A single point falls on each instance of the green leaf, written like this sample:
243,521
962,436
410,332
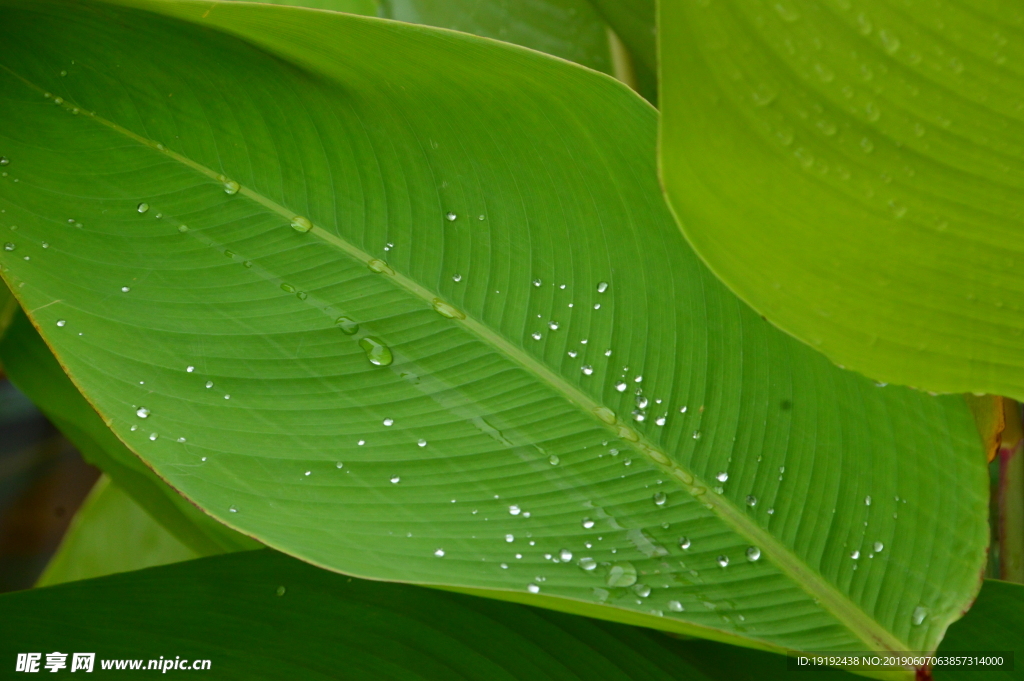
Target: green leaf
110,534
994,623
853,171
633,22
462,441
29,364
263,615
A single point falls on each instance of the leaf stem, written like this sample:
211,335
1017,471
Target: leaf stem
1011,495
622,61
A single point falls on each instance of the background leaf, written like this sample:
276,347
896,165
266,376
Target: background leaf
110,534
209,332
854,172
30,366
261,614
994,622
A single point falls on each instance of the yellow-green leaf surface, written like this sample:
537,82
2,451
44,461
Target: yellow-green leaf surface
407,304
29,364
111,533
854,171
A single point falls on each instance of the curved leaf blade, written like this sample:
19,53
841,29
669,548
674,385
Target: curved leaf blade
517,464
854,173
994,623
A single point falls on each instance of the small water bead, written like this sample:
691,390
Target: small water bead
9,246
421,443
361,443
125,289
722,476
395,479
536,336
641,590
380,267
553,459
621,574
61,322
514,510
309,472
878,546
301,295
659,498
684,542
376,351
675,606
388,422
587,523
4,160
533,588
602,287
553,326
621,386
339,465
510,538
867,501
153,436
439,553
184,228
347,325
587,369
142,207
587,563
231,187
301,224
608,353
232,508
753,554
751,500
181,439
919,615
572,353
450,216
723,561
641,402
133,428
597,306
209,384
855,555
537,282
682,410
448,311
287,288
142,412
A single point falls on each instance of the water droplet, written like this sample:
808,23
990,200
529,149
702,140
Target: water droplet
572,353
855,555
920,613
537,282
153,436
395,479
361,443
533,588
446,310
125,289
388,422
879,546
602,287
348,326
287,288
181,439
675,606
439,553
232,187
4,160
723,561
587,369
421,443
553,326
142,412
301,295
339,465
514,510
510,538
61,322
209,384
696,435
587,563
751,500
587,523
457,278
536,335
232,508
309,472
621,574
684,542
380,267
378,353
641,590
722,476
867,500
659,498
753,553
553,460
184,228
281,591
621,386
142,207
450,216
301,224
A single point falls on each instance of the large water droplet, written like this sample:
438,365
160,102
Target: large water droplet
722,476
378,353
142,412
61,322
621,386
659,498
348,326
9,246
450,216
641,590
587,563
514,509
879,546
446,310
142,207
587,523
753,554
553,459
4,160
380,267
602,287
684,542
855,554
553,326
533,588
723,561
587,369
537,282
232,187
920,613
301,224
565,555
621,574
510,538
388,422
675,606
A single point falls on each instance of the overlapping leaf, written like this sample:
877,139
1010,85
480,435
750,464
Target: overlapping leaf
541,392
854,171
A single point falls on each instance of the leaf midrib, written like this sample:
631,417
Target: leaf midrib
848,613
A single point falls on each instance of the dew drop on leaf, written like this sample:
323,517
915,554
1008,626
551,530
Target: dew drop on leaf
142,412
722,476
533,588
301,224
376,352
684,542
659,498
142,207
675,606
602,287
753,554
641,590
587,523
621,574
348,326
587,563
231,187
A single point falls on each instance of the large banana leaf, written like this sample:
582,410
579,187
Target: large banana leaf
995,622
461,414
262,615
30,366
111,533
854,171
